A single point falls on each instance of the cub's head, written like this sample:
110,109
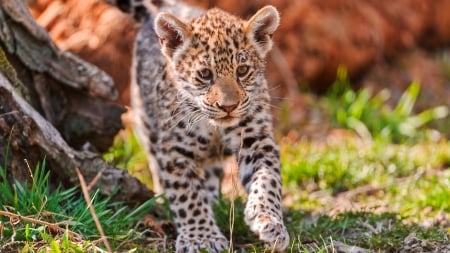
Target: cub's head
218,61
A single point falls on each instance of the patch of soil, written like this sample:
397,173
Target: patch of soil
412,244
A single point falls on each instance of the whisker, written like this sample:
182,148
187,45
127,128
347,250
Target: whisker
172,126
280,98
184,117
176,116
194,120
274,87
272,106
272,98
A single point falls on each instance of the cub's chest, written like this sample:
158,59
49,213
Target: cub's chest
204,141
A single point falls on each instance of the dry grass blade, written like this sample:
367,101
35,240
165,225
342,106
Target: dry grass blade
231,219
51,226
92,210
95,179
342,247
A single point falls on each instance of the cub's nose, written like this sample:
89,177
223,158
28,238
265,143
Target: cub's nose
227,108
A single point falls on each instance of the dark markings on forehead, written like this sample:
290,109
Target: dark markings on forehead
220,26
235,43
219,37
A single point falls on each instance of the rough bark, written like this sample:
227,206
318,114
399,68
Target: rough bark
56,106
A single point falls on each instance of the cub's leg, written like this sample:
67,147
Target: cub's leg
259,172
190,202
213,174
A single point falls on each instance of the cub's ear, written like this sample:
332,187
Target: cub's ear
171,31
261,27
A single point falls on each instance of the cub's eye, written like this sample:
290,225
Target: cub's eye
242,70
205,74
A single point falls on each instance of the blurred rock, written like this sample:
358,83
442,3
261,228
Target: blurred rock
97,32
414,65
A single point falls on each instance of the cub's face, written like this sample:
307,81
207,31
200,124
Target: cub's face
218,61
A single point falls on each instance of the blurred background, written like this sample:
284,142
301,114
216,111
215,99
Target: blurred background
380,45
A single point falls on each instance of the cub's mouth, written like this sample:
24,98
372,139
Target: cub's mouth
226,121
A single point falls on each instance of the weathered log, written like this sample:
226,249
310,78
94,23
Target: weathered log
57,106
72,94
28,135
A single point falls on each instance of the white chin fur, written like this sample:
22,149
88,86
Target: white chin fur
224,123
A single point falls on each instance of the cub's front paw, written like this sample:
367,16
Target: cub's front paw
271,230
187,243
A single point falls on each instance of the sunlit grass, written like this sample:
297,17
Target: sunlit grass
348,191
373,117
126,153
341,191
367,230
390,172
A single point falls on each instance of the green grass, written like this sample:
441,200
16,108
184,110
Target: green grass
351,193
342,165
372,117
356,193
375,232
337,193
371,195
38,217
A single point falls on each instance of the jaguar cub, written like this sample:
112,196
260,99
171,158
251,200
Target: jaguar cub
200,96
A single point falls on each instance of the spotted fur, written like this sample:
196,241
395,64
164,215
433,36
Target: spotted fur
200,96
